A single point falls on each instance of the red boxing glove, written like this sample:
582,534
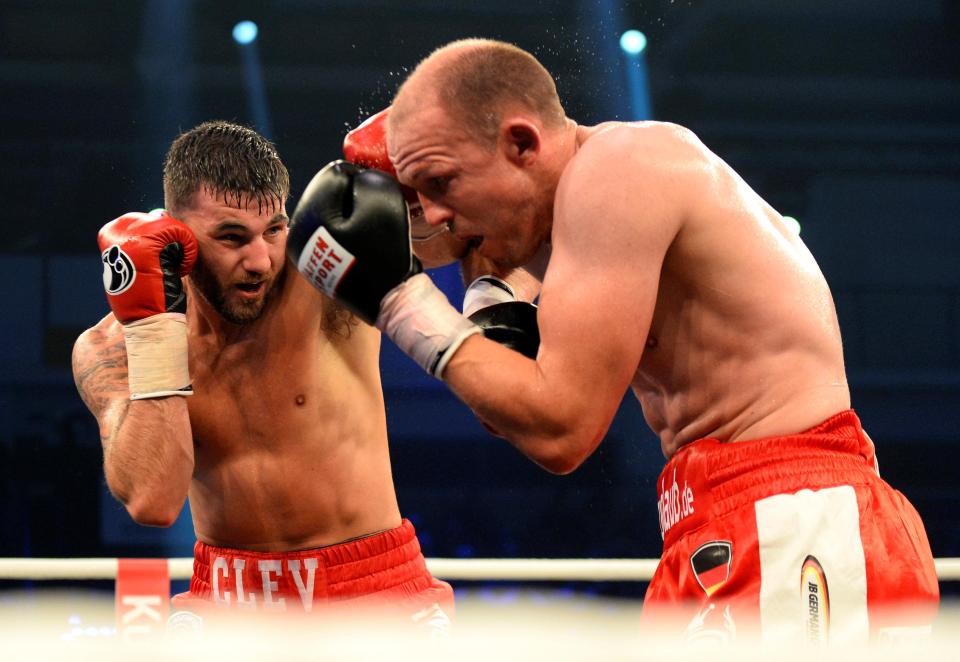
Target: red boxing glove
144,258
367,144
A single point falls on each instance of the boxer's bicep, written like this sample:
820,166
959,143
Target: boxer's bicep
610,236
100,374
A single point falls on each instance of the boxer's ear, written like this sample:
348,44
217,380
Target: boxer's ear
520,140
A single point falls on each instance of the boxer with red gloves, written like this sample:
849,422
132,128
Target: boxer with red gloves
282,446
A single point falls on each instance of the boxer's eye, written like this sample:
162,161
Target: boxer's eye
439,184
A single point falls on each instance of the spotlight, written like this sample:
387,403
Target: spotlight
792,223
633,42
245,32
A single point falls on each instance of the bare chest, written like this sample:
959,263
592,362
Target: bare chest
263,394
237,388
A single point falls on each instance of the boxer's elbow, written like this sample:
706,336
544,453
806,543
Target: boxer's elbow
564,453
562,463
559,465
152,489
147,512
557,433
147,507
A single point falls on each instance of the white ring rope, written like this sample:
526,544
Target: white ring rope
640,570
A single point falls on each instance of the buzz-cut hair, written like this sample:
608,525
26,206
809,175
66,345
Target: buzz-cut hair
479,79
229,161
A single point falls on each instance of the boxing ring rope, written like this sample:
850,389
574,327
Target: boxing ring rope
640,570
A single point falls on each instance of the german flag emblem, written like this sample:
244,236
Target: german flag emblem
711,564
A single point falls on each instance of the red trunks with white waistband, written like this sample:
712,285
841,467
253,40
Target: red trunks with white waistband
382,570
790,538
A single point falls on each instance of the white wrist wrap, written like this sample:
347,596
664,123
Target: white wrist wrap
418,318
157,356
484,292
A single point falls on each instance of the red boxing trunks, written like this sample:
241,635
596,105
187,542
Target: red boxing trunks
384,571
789,539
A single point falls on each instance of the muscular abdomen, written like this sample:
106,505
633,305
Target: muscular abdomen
291,444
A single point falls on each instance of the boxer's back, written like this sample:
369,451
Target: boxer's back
744,341
289,429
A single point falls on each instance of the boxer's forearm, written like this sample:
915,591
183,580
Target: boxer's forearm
148,459
511,394
147,444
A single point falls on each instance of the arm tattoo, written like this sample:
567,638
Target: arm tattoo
100,374
118,414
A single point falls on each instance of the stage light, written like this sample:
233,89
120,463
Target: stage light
792,223
245,32
633,42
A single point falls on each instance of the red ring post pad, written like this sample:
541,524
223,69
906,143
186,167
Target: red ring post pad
143,598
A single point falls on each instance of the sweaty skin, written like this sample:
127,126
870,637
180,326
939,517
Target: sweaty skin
283,444
668,275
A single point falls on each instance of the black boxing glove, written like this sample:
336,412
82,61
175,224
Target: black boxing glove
366,146
491,304
350,238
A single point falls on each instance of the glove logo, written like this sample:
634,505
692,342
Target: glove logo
118,270
324,261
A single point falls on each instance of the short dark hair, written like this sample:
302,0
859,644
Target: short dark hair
227,159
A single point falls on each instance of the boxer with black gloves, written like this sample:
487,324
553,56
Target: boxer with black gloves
282,446
668,275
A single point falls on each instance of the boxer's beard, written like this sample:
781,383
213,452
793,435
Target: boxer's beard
236,312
